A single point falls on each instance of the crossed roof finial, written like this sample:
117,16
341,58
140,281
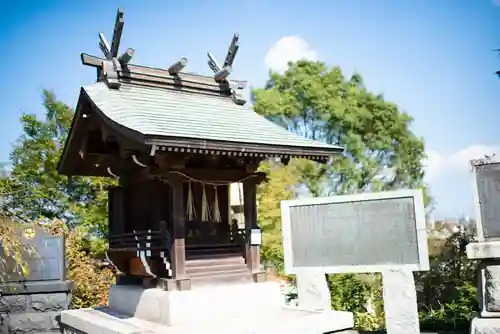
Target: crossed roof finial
112,52
221,73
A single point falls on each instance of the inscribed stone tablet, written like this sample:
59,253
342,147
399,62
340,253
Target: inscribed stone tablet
370,232
488,186
44,256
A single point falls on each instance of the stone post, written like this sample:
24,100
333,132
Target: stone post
486,247
488,289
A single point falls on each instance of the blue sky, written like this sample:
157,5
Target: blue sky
433,58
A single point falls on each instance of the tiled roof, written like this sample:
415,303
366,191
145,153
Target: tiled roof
160,112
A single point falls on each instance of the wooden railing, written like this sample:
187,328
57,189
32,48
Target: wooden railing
161,241
154,241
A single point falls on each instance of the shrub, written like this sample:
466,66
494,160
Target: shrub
12,251
92,282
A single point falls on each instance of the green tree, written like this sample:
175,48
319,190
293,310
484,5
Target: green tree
37,190
317,102
320,103
280,186
447,298
381,153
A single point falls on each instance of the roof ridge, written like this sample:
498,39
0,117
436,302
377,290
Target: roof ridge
113,74
178,90
94,61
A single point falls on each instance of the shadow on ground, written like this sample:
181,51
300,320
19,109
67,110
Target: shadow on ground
425,332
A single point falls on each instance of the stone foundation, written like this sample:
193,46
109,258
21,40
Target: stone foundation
252,308
33,307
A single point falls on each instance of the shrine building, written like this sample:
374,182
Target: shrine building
175,141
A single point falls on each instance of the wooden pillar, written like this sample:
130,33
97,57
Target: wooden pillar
116,212
250,211
178,216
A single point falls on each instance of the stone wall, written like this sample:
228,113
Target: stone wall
35,308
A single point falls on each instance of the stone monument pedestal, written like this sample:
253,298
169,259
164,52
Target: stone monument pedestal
29,307
488,252
237,308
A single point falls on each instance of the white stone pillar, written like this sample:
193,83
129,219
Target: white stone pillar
312,291
400,302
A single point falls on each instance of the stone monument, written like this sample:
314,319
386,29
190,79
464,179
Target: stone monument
33,303
313,292
486,247
372,232
175,141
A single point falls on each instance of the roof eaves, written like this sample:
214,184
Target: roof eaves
69,139
207,146
121,129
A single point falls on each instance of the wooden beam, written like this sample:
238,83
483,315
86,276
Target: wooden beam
250,211
104,132
104,46
178,251
231,52
178,66
212,175
83,147
243,149
117,33
89,60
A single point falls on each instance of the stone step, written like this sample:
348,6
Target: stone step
219,274
221,278
215,267
215,262
204,255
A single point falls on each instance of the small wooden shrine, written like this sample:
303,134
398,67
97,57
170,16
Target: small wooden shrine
175,141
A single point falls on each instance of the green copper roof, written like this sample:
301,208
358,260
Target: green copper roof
159,112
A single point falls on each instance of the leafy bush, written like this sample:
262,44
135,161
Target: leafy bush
92,282
448,300
12,251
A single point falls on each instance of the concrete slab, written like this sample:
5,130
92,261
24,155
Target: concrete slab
483,250
290,321
485,326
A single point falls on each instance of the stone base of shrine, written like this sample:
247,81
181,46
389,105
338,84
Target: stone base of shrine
238,308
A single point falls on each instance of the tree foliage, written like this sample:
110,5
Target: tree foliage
319,103
381,152
447,299
37,189
280,186
12,252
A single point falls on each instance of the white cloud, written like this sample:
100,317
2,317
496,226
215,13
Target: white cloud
288,48
449,178
438,164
